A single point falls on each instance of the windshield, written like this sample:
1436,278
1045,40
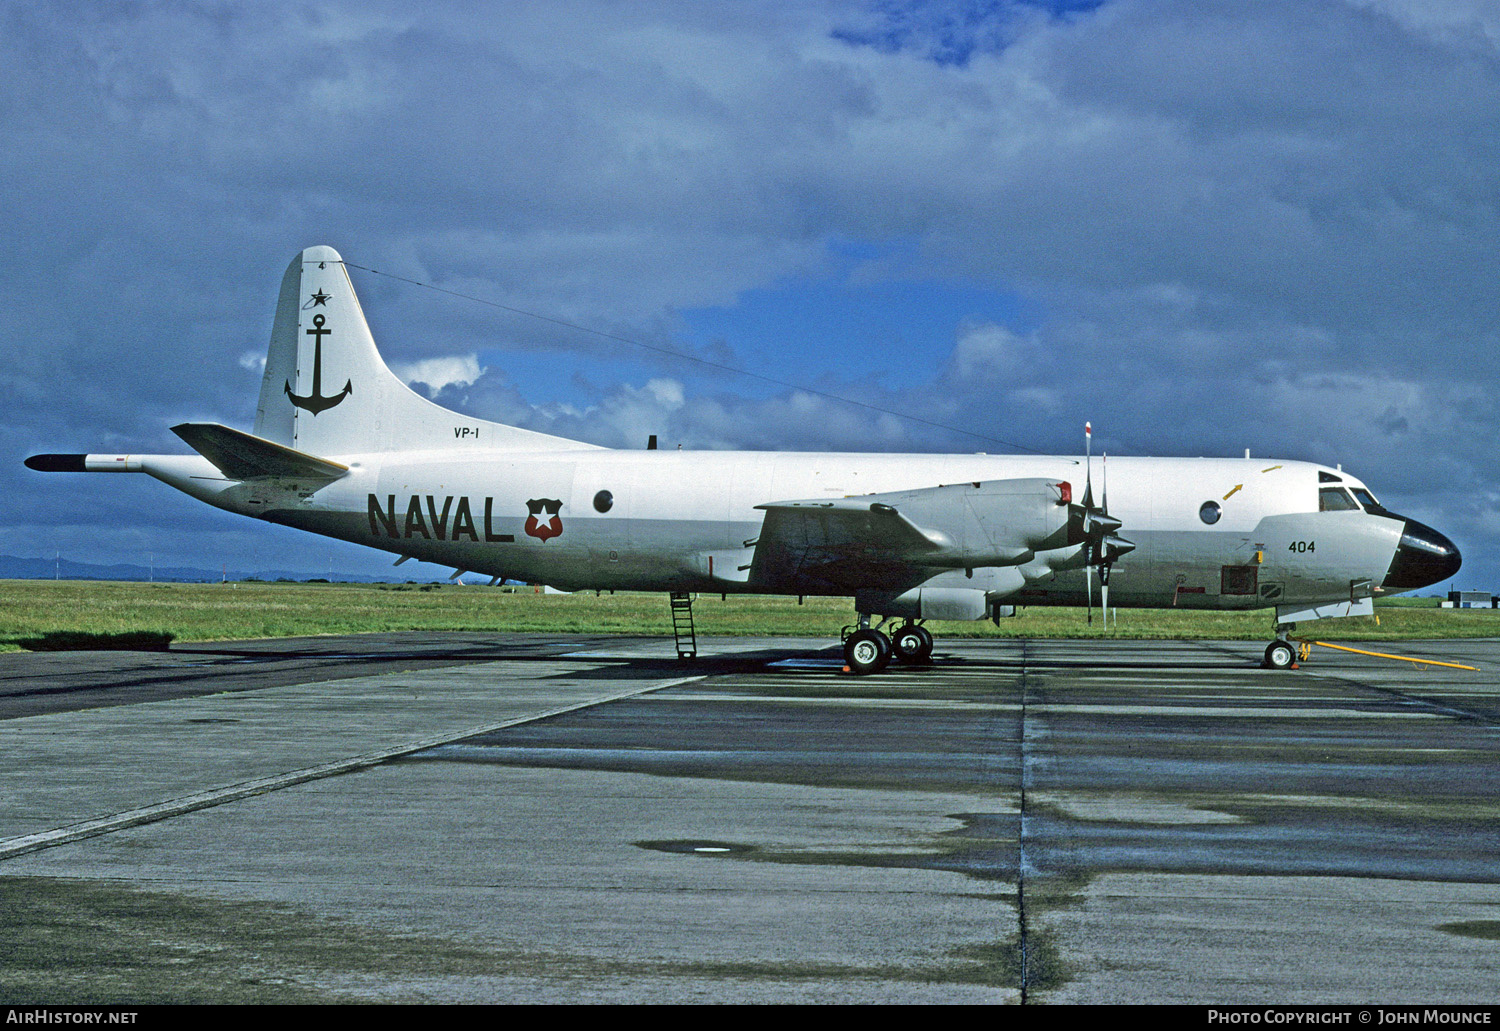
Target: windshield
1368,500
1335,499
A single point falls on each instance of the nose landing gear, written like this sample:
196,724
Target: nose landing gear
1284,653
1281,655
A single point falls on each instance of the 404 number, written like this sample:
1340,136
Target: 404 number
1302,547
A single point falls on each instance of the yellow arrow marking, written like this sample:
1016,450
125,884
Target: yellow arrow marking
1231,494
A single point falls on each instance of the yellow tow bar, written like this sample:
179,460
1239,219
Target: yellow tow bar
1383,655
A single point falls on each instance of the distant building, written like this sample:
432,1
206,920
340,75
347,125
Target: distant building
1472,600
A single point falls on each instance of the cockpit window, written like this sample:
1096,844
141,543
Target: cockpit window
1335,499
1367,499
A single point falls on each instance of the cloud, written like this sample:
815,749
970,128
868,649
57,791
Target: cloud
1203,225
439,373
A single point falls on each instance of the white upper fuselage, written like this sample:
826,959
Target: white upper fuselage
687,520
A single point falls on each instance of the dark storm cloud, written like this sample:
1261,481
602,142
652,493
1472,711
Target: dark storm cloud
1270,226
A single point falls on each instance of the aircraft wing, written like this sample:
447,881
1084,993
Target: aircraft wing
902,539
838,543
244,456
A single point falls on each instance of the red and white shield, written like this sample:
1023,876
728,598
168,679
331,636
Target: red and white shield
543,522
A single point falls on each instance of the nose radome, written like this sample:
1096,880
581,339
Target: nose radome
1424,557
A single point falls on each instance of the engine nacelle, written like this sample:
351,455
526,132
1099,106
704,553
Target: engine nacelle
991,523
926,603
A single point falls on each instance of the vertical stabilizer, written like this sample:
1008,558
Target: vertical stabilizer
326,390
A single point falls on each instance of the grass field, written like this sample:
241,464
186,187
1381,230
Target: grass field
50,614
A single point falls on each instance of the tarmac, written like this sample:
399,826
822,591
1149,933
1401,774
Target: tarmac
467,818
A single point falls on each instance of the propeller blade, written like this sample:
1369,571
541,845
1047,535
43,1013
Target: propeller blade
1088,474
1091,537
1088,572
1092,526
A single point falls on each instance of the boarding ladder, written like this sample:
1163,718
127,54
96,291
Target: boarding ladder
682,625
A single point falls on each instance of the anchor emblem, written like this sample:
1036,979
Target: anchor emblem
316,402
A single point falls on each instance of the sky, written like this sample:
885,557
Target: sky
1202,226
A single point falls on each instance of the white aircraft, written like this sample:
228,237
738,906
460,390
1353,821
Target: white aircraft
344,448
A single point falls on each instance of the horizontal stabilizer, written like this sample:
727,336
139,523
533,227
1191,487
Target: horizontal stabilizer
243,456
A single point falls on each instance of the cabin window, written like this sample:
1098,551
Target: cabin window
1209,512
1335,499
604,501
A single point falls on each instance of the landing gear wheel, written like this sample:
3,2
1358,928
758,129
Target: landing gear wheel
912,644
867,651
1281,655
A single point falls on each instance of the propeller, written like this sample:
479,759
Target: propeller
1094,528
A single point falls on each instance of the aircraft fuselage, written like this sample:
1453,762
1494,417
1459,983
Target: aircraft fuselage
687,521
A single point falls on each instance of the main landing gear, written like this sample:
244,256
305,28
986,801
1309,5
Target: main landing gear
868,650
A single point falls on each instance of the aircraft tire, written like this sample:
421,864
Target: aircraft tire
1281,655
926,652
867,651
912,644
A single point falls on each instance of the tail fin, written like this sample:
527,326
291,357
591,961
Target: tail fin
327,392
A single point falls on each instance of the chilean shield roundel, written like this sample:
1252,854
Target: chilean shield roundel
543,522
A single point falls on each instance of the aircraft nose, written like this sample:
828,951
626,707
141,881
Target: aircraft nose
1423,557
